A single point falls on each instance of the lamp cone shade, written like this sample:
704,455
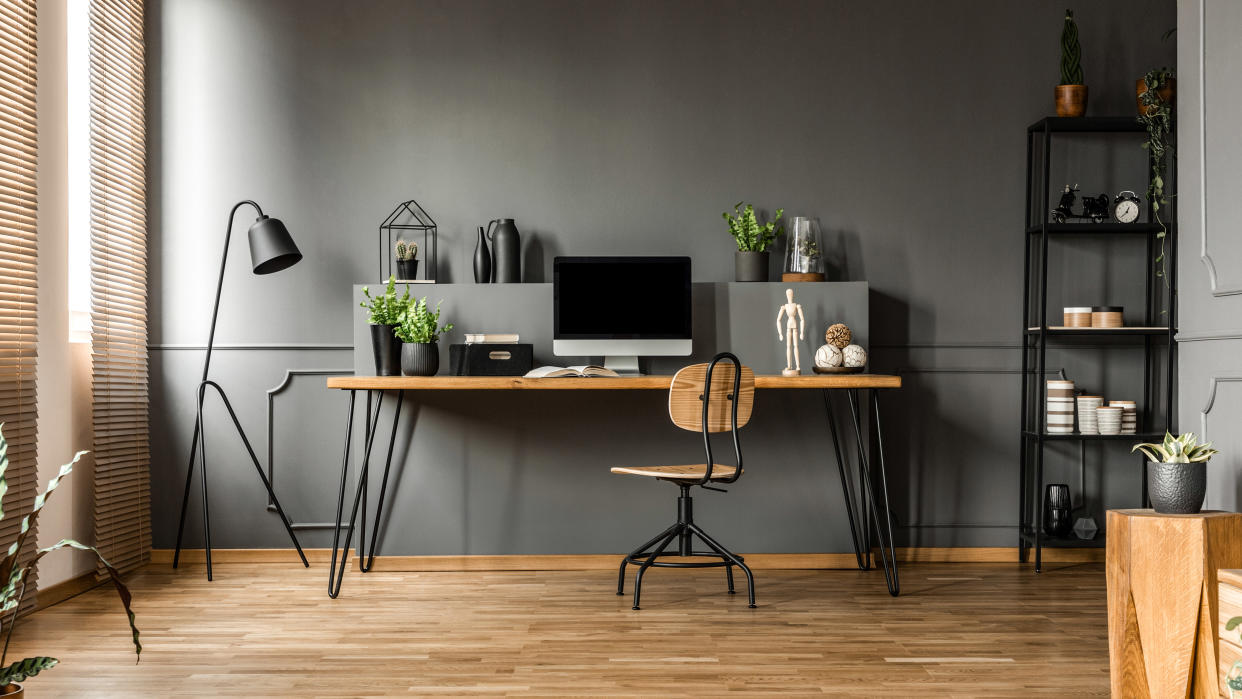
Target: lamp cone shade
271,247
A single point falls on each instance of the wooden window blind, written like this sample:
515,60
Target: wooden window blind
118,223
18,265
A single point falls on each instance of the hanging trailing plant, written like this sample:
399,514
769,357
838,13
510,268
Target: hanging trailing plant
1156,114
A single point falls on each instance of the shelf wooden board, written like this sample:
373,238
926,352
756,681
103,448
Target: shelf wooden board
440,383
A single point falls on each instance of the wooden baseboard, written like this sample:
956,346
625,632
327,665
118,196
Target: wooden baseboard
61,591
519,562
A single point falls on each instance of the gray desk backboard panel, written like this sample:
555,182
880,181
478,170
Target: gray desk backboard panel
501,472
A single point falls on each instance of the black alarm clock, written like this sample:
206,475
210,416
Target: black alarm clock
1126,207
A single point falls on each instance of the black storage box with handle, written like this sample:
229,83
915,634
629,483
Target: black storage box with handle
491,360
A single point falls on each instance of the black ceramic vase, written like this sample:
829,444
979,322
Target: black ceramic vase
482,260
1177,489
387,349
407,269
506,251
1057,519
420,358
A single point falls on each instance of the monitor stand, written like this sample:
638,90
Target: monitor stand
625,365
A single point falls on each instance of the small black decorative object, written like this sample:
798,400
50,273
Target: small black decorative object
1057,519
506,250
482,260
486,359
408,216
1126,207
1093,208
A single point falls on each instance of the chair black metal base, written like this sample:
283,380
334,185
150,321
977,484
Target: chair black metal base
684,530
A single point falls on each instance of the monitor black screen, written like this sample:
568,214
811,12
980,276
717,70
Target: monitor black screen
618,298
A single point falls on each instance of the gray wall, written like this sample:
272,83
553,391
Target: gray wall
1210,259
625,128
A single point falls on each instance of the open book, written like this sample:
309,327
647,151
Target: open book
579,371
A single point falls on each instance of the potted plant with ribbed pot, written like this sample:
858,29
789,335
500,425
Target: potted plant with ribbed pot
1071,93
750,262
14,574
384,315
419,333
1177,474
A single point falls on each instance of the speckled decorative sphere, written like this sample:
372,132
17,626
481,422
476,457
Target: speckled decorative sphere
828,356
838,335
854,356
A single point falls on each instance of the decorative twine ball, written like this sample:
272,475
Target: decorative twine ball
828,356
838,335
855,356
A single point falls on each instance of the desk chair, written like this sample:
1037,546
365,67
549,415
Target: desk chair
703,398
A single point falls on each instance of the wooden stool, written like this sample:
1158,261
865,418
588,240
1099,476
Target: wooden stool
1162,604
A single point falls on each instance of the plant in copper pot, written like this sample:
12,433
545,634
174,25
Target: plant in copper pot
15,572
1177,474
1071,93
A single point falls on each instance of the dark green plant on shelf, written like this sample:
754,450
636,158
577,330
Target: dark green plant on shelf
386,308
1071,52
15,572
421,325
745,229
1156,115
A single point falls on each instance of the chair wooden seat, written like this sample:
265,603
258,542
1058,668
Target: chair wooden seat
684,472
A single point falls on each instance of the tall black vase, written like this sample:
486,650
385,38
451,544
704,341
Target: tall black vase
482,260
387,349
1057,507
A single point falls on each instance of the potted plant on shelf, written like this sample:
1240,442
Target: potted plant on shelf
384,314
1071,93
1177,474
407,260
419,332
1155,101
14,575
750,262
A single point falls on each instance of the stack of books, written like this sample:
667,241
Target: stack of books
491,338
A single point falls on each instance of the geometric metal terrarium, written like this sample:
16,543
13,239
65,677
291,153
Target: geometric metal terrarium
408,216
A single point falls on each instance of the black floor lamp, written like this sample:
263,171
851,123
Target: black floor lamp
271,250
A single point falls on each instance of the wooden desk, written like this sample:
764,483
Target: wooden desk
860,507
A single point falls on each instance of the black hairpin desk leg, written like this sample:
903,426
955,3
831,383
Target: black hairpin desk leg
867,504
336,572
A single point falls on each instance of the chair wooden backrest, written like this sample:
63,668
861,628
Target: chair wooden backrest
685,397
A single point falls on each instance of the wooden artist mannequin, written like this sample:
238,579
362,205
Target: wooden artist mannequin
793,365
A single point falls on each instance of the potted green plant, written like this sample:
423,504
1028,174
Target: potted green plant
750,262
384,314
1071,93
1177,474
14,574
407,259
419,332
1155,101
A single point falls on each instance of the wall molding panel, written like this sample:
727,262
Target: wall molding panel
1218,287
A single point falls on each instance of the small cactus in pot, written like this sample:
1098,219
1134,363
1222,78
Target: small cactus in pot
406,254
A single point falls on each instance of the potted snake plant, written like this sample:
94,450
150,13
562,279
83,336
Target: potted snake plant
419,332
384,314
14,574
750,262
1071,94
1177,474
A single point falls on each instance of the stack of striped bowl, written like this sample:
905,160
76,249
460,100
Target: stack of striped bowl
1060,407
1129,415
1108,419
1086,414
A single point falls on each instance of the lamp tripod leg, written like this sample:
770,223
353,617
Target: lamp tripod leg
202,478
185,497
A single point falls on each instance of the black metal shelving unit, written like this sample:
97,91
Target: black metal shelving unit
1038,335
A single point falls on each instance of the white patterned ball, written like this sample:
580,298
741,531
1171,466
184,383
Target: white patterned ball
828,356
855,356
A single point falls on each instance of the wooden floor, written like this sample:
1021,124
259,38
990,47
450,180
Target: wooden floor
958,630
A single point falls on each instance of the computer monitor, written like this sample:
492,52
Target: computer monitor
621,308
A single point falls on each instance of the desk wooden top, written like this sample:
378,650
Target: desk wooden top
441,383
